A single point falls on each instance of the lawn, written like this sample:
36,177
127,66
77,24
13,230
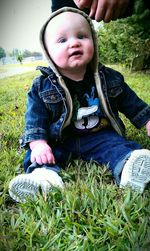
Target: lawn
7,67
91,213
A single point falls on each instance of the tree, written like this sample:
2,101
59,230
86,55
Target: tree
15,52
19,58
122,40
27,53
36,54
2,53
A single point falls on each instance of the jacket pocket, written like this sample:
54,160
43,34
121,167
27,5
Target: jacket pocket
51,97
54,102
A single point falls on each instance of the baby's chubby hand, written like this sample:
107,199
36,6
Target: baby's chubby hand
41,153
148,128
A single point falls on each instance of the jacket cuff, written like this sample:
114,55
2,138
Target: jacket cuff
142,118
31,135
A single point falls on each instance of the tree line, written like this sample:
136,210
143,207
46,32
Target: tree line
18,54
127,41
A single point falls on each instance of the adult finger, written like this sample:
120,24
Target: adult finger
93,8
100,10
82,4
115,9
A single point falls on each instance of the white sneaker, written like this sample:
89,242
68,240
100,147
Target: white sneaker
27,185
136,171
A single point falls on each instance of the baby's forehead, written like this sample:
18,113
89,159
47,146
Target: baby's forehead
63,18
68,14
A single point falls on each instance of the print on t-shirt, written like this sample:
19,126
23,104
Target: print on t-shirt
87,117
88,114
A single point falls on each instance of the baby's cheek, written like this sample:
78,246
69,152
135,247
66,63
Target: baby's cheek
60,60
91,52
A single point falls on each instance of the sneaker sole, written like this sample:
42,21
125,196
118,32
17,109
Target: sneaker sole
138,167
22,188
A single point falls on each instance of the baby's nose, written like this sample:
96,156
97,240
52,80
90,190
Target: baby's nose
74,42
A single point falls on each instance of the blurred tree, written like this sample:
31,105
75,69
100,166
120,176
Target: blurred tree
122,40
19,58
15,52
36,54
27,53
2,53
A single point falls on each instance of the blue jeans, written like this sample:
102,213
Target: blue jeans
105,147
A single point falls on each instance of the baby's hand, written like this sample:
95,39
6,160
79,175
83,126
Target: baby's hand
41,153
148,128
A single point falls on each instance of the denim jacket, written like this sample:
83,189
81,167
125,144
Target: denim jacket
49,108
49,103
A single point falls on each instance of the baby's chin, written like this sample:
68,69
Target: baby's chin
77,63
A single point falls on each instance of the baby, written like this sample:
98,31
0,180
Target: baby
73,112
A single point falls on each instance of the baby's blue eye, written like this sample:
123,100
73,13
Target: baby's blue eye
62,40
81,36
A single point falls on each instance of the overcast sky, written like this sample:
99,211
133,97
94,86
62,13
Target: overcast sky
20,23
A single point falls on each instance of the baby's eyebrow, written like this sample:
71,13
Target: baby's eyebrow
58,36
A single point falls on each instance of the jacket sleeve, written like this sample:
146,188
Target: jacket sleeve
133,107
121,98
37,118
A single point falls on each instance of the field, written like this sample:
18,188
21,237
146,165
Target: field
91,213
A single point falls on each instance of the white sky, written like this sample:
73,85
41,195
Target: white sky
20,23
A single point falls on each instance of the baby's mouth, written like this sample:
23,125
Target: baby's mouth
76,53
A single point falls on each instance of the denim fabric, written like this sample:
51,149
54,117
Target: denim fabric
119,167
32,166
48,106
104,147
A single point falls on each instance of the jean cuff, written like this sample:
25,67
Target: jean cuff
34,165
119,167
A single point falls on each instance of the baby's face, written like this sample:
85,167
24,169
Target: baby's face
69,41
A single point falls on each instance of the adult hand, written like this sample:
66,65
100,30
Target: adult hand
41,152
82,4
148,128
105,10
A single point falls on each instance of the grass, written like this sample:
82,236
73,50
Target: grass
91,214
6,67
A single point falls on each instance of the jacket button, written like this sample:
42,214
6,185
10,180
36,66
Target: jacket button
53,97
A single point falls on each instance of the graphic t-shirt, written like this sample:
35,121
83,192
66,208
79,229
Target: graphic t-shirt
88,114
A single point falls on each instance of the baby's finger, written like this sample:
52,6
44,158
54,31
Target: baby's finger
32,158
38,160
50,158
